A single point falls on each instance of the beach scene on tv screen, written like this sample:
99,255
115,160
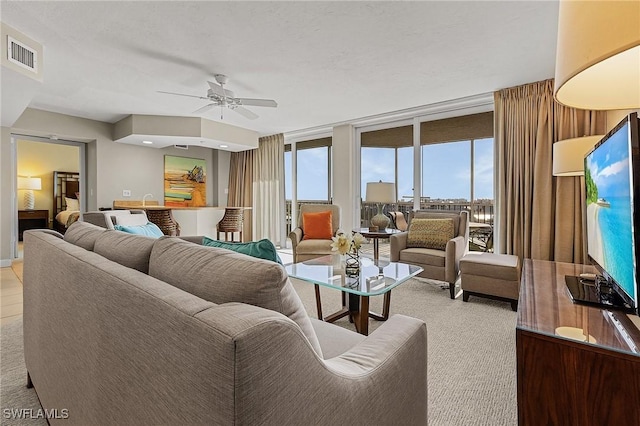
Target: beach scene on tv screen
609,209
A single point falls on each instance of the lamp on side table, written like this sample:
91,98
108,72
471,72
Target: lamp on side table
380,193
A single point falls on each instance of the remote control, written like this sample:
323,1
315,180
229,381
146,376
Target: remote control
588,277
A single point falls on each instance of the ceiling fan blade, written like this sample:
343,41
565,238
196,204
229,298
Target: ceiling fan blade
204,108
217,89
258,102
245,112
182,94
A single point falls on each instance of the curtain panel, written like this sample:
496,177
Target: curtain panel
241,187
539,216
268,178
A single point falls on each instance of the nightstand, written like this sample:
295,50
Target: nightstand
32,219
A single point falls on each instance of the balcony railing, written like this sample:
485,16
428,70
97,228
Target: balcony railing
480,212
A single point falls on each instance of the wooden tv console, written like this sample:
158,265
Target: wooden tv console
561,379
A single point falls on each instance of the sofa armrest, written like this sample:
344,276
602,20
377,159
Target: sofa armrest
381,347
276,366
296,237
398,243
455,249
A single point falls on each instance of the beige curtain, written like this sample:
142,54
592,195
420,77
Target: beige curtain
241,187
539,216
570,244
268,175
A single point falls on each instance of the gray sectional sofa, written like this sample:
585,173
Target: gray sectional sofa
123,329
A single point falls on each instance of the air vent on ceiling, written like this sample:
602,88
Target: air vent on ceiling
22,55
182,146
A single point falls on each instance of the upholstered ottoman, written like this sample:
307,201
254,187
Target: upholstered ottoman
491,275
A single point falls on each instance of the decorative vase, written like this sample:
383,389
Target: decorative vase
380,220
352,263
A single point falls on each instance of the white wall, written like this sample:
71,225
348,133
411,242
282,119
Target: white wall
615,116
110,166
344,179
6,193
224,162
141,170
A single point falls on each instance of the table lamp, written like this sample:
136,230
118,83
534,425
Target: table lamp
380,193
598,55
568,155
29,184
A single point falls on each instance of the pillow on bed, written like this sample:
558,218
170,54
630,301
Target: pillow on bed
72,204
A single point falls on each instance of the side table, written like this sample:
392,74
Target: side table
376,236
32,219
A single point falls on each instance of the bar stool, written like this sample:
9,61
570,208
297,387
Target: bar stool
232,221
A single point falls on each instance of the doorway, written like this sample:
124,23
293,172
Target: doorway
42,199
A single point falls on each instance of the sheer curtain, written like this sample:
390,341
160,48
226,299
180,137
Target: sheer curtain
539,216
268,177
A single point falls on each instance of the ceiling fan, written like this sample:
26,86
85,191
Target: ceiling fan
225,98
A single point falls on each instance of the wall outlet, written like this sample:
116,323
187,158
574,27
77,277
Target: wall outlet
126,193
226,190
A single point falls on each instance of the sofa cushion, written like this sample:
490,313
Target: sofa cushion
263,249
430,233
129,250
314,247
493,265
423,256
317,225
222,276
131,219
83,234
149,229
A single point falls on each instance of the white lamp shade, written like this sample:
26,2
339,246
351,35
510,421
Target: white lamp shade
381,192
29,183
598,55
568,155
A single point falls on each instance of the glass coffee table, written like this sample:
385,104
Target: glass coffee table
376,277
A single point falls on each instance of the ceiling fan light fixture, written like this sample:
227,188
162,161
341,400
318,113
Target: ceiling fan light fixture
218,95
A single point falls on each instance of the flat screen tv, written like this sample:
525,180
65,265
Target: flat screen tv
612,188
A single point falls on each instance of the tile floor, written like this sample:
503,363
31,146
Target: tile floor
10,296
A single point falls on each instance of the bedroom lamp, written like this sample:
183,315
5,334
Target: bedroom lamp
598,55
380,193
29,184
568,155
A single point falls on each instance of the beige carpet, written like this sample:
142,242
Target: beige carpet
471,350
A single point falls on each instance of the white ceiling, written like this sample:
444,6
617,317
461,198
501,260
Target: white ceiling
323,62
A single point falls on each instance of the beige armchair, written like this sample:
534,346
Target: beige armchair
310,249
442,265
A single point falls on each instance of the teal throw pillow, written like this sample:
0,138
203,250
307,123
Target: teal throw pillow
263,249
149,230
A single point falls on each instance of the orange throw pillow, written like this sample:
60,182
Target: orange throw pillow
317,226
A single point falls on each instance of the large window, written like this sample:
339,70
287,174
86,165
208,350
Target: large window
387,155
313,174
456,165
448,180
446,172
377,164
